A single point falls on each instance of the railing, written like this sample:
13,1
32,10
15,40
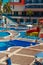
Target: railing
24,15
34,9
34,4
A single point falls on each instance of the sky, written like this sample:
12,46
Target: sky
4,1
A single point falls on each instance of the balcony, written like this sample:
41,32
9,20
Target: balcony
24,14
33,1
34,9
34,6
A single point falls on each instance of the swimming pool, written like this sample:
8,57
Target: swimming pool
4,34
16,29
6,45
2,28
3,46
23,35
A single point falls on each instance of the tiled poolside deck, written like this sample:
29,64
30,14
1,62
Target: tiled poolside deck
21,55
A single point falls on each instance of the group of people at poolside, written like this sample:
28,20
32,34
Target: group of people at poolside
37,62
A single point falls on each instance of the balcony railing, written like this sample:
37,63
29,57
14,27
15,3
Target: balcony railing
35,14
34,4
34,9
13,17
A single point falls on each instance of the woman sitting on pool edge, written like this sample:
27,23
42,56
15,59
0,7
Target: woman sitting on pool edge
8,61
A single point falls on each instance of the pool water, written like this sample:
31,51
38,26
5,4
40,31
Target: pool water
23,35
2,28
3,46
6,45
16,29
3,34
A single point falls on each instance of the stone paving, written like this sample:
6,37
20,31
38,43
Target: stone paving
21,55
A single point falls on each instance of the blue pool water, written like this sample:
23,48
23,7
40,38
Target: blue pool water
3,34
16,29
23,35
5,45
1,28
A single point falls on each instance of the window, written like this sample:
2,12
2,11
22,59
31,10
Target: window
28,1
23,13
21,20
41,6
34,21
41,14
41,1
36,1
29,21
13,6
16,0
16,13
33,1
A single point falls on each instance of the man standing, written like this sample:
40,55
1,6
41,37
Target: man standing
8,61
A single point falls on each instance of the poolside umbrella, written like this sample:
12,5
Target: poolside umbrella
39,55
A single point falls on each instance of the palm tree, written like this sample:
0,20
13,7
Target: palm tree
0,3
30,13
0,6
6,10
